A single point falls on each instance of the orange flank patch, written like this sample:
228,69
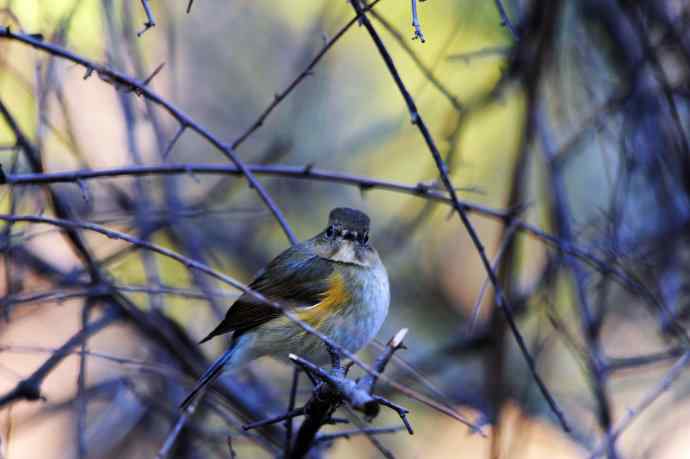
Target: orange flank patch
333,299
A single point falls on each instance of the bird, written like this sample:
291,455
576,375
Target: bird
335,282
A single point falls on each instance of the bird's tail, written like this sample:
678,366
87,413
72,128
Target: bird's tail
210,375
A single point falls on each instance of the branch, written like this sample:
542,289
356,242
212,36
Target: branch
150,21
364,183
505,20
632,413
501,301
355,432
334,389
416,24
30,388
193,264
120,80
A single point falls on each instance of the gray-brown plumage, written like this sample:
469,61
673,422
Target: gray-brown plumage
335,282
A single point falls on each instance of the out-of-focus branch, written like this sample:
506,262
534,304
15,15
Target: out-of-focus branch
421,190
193,264
150,21
590,323
124,82
30,388
615,432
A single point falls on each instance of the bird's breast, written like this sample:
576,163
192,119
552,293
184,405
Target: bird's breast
358,320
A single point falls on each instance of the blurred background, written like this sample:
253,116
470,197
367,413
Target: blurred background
564,125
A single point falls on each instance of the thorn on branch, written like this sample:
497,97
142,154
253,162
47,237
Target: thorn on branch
153,74
83,187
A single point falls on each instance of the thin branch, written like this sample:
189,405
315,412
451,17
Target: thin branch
385,452
590,326
193,264
280,96
423,68
30,388
505,20
121,80
335,388
673,374
420,190
174,140
150,21
293,413
368,381
416,24
501,301
170,440
291,406
355,432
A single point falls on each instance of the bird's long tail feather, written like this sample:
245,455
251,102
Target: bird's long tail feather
209,375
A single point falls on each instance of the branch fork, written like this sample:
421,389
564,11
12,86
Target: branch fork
333,389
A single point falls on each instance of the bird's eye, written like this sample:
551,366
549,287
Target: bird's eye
329,231
365,238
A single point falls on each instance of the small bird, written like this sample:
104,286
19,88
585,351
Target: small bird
334,282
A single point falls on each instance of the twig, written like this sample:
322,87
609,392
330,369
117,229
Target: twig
385,452
264,422
443,170
367,183
416,24
423,68
291,406
124,81
60,207
30,388
150,21
174,140
193,264
632,413
590,325
335,388
345,388
354,432
280,96
402,412
82,401
505,20
170,440
231,450
368,381
505,244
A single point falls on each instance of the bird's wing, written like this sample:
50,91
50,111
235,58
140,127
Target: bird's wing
296,278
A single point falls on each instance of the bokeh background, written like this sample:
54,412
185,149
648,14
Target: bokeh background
575,126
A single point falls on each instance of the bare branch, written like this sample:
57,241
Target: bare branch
443,170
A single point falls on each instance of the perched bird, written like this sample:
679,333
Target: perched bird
334,282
